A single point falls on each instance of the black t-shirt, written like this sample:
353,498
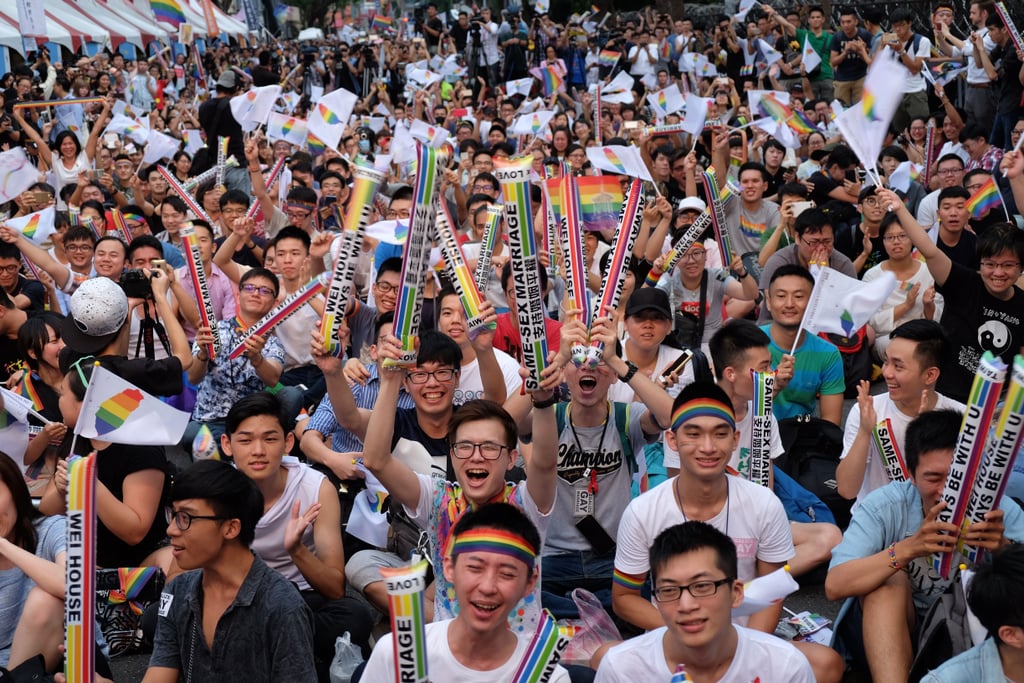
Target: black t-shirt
823,184
976,322
853,67
34,290
459,34
262,76
161,377
965,252
434,25
850,242
245,255
114,464
1011,88
217,110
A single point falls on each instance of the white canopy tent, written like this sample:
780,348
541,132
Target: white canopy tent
55,32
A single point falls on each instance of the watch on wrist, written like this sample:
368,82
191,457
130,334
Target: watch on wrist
545,403
631,370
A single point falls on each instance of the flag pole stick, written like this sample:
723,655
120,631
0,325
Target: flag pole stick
1016,148
796,341
1006,212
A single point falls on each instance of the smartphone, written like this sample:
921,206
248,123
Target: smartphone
890,38
158,263
676,366
40,197
800,207
94,175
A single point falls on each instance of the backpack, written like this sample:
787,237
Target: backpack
944,632
812,447
856,357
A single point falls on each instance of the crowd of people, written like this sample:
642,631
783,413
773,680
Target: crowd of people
319,473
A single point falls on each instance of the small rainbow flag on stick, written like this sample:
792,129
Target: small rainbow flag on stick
168,11
117,411
984,199
549,77
608,57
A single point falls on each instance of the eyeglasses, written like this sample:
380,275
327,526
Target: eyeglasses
698,589
421,376
236,211
489,450
901,237
870,201
482,188
404,213
989,264
183,520
78,247
1016,131
13,268
252,289
950,171
695,255
299,215
385,287
814,244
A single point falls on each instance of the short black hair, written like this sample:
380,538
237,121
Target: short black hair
996,595
502,517
930,340
143,241
403,192
894,151
439,348
813,221
293,233
175,202
754,166
506,275
791,269
382,320
390,265
793,190
1000,237
954,192
254,405
900,14
230,493
842,156
689,537
950,157
263,273
731,342
233,197
79,233
935,430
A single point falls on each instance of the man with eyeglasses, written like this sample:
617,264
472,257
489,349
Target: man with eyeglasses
226,589
417,436
982,222
222,381
78,245
703,430
984,309
950,173
29,295
814,247
299,534
693,568
300,202
863,244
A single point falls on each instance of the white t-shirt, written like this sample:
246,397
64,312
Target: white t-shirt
752,517
915,82
645,61
471,386
927,210
68,176
740,460
874,470
443,665
758,657
621,392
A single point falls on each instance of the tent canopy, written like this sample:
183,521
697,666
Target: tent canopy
82,29
120,30
10,36
55,32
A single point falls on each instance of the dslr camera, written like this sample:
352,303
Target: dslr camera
136,285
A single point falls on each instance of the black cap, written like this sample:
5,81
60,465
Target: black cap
649,299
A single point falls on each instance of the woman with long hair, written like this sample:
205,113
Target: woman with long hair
39,343
31,574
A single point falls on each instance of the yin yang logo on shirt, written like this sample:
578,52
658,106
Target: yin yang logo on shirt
994,336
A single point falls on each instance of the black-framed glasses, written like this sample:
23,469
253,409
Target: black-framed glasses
489,450
385,287
183,520
441,375
698,589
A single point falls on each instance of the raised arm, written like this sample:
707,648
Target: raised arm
37,255
939,265
347,414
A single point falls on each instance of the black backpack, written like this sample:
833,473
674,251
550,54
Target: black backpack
812,447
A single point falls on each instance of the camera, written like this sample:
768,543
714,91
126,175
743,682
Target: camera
135,284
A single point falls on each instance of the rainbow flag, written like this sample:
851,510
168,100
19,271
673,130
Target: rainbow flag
801,123
119,412
168,11
381,23
549,78
984,199
608,57
600,201
770,106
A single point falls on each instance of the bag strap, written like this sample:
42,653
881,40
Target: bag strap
702,314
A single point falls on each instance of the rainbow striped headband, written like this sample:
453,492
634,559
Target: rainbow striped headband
134,217
702,407
495,541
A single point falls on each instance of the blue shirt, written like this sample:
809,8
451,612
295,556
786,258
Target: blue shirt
981,663
893,513
342,440
818,370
